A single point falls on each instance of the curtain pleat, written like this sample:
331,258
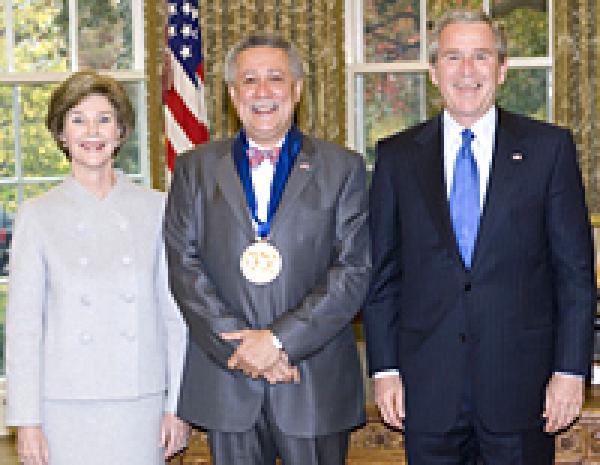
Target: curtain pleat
577,85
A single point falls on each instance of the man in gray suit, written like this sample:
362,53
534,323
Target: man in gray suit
268,254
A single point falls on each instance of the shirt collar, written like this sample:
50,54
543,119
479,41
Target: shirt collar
254,145
484,128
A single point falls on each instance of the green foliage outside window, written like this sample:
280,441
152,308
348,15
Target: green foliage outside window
105,31
525,25
391,30
392,102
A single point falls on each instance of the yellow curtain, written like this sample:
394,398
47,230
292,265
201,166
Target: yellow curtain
154,38
316,27
577,84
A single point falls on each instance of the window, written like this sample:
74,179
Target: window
41,41
388,88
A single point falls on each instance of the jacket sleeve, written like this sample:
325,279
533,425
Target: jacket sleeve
571,251
380,315
25,321
176,332
332,304
202,308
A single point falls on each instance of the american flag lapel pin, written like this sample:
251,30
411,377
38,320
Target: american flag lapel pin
517,156
304,165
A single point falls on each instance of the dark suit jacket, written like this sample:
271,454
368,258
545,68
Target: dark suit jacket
321,231
524,310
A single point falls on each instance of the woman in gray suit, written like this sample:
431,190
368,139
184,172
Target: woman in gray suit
95,342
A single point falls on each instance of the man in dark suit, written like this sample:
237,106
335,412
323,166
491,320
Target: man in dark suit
479,316
268,251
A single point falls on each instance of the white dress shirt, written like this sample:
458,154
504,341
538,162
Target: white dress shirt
262,180
484,130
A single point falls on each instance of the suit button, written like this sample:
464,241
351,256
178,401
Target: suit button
129,335
462,337
85,300
467,287
85,338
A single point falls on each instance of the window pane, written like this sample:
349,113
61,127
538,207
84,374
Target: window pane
3,287
40,154
391,30
525,91
128,158
105,34
41,31
3,58
435,8
526,26
392,102
7,133
8,208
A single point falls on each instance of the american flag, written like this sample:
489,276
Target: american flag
186,122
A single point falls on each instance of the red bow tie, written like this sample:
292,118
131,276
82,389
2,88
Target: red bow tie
256,156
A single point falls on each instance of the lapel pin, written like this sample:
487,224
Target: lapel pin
304,165
517,156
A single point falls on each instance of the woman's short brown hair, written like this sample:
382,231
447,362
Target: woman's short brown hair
76,88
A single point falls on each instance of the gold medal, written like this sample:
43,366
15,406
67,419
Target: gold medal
260,262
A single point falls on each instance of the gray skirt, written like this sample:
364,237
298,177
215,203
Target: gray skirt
100,432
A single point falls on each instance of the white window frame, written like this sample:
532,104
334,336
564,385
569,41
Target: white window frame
357,66
136,75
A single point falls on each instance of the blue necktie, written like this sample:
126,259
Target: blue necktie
464,198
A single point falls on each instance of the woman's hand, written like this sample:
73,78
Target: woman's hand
174,434
32,445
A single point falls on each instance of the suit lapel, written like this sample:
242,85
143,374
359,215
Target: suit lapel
506,161
233,192
302,171
430,173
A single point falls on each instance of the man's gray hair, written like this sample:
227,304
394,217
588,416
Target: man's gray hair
460,16
263,40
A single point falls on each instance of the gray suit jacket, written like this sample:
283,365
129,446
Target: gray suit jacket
90,315
321,231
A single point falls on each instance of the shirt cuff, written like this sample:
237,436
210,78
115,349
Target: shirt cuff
385,374
571,375
277,343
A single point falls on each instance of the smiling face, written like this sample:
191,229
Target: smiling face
467,71
91,132
264,93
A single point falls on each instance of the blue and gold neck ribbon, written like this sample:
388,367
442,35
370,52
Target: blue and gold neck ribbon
289,151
